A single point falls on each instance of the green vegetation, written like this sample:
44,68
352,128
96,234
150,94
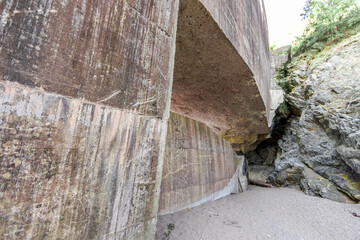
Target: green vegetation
273,46
329,21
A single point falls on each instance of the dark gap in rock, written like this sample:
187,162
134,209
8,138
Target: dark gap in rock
261,160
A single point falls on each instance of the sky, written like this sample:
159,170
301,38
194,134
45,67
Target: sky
284,20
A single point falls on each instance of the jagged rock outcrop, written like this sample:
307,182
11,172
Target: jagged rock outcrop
319,150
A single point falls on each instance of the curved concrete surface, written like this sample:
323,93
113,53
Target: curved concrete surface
213,83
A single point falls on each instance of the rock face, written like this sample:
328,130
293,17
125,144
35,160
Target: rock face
320,148
199,166
85,92
278,58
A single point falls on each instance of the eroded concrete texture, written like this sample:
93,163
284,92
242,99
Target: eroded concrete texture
85,95
76,170
244,24
199,166
222,68
112,52
85,90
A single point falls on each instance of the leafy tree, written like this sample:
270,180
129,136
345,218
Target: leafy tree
327,20
327,11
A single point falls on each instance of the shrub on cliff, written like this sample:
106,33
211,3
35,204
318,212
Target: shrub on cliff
328,20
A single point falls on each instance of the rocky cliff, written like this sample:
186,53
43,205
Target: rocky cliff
318,125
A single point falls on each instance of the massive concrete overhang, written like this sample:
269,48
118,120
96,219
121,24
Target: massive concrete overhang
215,84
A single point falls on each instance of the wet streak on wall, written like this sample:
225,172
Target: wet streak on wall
75,170
197,164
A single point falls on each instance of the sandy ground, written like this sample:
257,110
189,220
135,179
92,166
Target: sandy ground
264,213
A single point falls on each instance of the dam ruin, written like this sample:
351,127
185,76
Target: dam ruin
115,111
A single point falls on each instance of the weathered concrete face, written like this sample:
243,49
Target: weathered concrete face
244,24
85,91
76,170
222,69
111,52
199,166
73,169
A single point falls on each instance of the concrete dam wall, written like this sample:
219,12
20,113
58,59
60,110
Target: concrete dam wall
89,149
199,166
